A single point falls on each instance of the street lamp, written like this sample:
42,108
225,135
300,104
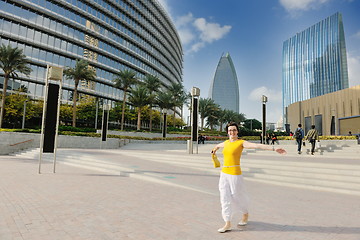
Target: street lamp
264,100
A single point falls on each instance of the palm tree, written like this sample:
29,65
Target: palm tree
213,117
80,72
139,97
125,79
207,107
177,89
152,83
183,99
165,101
12,60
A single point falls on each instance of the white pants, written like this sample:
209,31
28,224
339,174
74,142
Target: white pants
233,195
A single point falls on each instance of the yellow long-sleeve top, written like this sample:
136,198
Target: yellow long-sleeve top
232,152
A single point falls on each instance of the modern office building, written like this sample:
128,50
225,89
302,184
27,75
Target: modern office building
314,62
224,88
112,35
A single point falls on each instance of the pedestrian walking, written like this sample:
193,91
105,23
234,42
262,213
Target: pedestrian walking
274,139
299,135
312,135
233,195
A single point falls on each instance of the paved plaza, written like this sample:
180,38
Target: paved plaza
159,191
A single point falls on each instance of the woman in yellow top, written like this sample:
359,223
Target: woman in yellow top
233,195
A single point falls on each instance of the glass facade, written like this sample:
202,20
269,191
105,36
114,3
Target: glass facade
224,89
314,62
112,35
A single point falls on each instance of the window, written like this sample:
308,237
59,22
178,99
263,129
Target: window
44,38
30,33
15,28
51,41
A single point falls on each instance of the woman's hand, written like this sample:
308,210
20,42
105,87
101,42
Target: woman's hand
280,150
213,151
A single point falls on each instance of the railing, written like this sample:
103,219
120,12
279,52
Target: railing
11,145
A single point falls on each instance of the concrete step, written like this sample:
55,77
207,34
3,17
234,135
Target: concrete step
344,178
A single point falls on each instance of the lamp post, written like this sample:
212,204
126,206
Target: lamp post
264,100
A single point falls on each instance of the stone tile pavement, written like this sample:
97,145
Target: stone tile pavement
157,201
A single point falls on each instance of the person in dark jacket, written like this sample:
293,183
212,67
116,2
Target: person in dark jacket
299,135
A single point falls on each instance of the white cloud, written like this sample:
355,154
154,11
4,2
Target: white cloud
273,95
196,33
354,70
196,47
184,20
357,35
186,36
293,6
210,31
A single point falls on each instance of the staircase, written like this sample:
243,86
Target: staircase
337,170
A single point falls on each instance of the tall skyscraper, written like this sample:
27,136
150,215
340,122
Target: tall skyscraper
314,62
224,89
136,35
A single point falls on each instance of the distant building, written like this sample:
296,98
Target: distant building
314,62
334,113
224,89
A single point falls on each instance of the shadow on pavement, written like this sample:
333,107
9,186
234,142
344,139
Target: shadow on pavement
264,226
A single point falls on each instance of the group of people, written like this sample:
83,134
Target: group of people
312,136
270,137
233,195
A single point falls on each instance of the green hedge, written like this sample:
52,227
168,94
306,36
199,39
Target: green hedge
92,133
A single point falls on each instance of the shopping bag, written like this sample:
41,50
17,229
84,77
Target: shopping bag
318,145
215,160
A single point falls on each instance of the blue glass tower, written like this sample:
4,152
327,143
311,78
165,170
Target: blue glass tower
224,89
314,62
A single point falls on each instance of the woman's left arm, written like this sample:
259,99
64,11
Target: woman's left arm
247,144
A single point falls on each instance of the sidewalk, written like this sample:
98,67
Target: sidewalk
158,199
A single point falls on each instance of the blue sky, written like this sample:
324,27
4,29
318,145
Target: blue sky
253,32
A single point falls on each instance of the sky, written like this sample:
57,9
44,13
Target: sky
253,32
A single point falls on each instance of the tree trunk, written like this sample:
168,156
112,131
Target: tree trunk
123,111
150,126
6,79
174,117
202,124
139,119
74,103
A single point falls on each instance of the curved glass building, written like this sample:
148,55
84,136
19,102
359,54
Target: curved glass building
112,35
224,88
314,62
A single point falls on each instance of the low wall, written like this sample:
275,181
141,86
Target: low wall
11,142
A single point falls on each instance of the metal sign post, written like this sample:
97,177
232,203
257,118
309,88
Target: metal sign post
195,93
104,125
55,74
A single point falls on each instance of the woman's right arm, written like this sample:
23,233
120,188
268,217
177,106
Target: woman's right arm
220,145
